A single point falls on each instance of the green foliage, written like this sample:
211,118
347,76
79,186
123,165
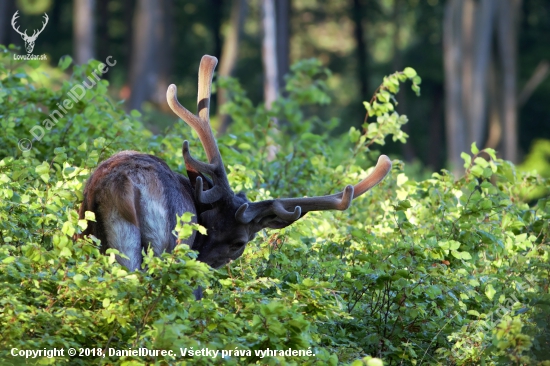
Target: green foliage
438,271
538,161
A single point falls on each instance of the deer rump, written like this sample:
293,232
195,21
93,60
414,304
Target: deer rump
136,197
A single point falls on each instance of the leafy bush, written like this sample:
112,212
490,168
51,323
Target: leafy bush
440,271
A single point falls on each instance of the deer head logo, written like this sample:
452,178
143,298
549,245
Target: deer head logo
29,40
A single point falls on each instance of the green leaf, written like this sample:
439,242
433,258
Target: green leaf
89,215
64,62
409,72
490,291
78,279
467,159
403,205
65,253
449,245
244,146
201,229
43,168
9,260
308,282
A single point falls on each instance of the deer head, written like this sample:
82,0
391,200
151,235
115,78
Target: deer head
29,40
231,219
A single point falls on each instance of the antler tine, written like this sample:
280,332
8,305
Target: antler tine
13,19
287,207
201,124
46,18
206,72
248,212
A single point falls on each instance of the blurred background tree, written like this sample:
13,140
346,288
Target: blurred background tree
484,63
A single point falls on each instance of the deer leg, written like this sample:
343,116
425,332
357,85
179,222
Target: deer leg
154,225
124,237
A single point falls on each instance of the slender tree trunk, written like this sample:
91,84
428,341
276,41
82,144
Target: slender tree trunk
466,65
164,55
434,158
507,30
216,21
129,14
495,96
146,39
269,58
283,41
83,29
7,9
103,31
407,149
357,15
230,53
452,55
269,53
481,51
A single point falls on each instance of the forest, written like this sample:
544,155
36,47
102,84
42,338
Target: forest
444,262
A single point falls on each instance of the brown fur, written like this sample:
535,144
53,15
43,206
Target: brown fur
126,186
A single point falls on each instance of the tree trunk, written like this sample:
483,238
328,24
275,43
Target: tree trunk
507,31
481,51
471,107
216,21
7,9
269,53
283,41
407,149
357,15
164,55
230,53
495,128
103,42
83,30
452,55
145,45
434,158
129,14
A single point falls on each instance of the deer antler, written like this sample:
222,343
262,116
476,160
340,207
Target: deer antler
13,19
36,33
291,209
201,124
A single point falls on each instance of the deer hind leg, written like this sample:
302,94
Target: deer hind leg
124,237
121,222
154,222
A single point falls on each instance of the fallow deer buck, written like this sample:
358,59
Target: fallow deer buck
136,197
